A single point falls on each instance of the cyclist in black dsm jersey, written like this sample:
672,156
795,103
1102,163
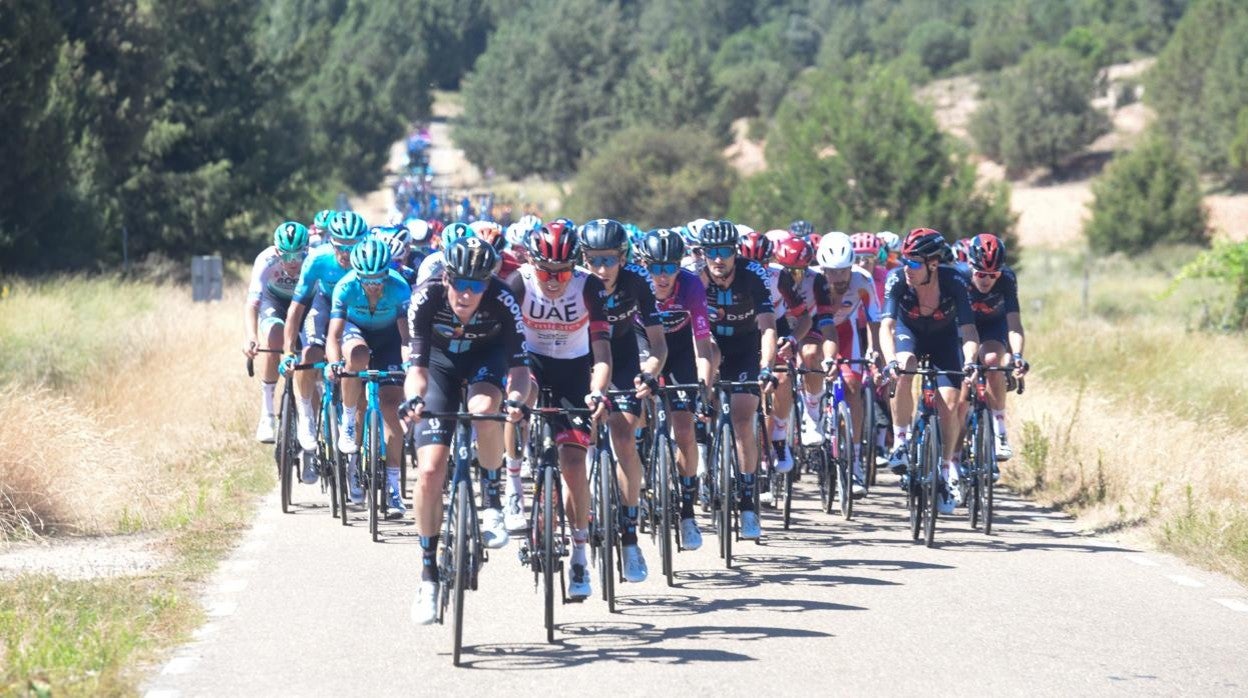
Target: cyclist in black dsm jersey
926,311
465,328
743,321
629,303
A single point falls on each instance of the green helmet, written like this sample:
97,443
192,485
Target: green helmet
322,218
371,258
291,237
348,226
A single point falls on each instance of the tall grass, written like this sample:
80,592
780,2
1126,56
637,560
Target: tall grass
1134,414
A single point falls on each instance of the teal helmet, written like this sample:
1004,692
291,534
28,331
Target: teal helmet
454,232
371,258
347,226
291,237
322,218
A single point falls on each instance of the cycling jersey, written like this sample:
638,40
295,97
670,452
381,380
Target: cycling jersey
734,310
562,327
350,302
321,272
430,267
509,264
407,273
999,301
496,322
631,303
269,274
953,309
859,296
686,308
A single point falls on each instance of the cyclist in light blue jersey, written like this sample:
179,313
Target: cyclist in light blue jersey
368,331
307,320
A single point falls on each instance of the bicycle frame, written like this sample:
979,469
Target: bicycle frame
373,444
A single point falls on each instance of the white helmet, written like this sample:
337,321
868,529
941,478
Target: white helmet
744,230
695,226
890,240
836,251
529,222
516,232
419,229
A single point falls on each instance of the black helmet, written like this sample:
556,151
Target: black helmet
924,243
603,234
718,234
663,245
470,258
802,228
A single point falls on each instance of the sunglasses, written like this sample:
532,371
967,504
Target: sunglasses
606,260
560,275
464,285
339,247
864,258
663,269
913,263
293,256
372,280
719,252
797,273
987,274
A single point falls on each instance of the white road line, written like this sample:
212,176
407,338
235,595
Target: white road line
220,609
1234,604
1184,581
180,665
1145,561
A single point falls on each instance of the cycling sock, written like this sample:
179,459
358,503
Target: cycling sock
303,407
900,434
392,477
745,490
491,489
579,537
779,429
687,487
700,432
811,402
628,526
429,558
348,415
266,389
998,421
778,446
514,485
951,471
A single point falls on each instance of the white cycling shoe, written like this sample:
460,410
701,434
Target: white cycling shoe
346,438
513,516
425,605
750,527
493,533
635,569
264,429
690,534
305,433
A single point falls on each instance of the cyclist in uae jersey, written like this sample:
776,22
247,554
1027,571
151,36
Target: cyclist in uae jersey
744,324
273,277
927,312
993,289
367,331
307,319
466,330
635,329
568,339
681,302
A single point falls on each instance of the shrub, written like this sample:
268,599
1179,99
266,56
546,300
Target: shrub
938,44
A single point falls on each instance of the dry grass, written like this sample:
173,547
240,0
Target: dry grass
107,417
1130,419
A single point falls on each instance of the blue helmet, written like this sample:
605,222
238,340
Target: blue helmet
455,231
371,258
291,236
348,226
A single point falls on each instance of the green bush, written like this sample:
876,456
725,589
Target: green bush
1145,197
1039,112
938,44
653,177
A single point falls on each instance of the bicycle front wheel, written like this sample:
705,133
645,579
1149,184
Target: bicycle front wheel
376,473
605,494
662,487
287,447
727,452
931,479
867,449
460,566
845,461
548,549
915,488
986,446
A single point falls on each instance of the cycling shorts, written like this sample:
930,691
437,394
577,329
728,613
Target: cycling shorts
997,330
943,347
385,348
740,366
316,322
681,368
448,372
626,351
272,312
568,383
847,347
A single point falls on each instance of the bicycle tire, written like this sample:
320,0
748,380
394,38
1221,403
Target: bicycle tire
786,491
460,563
728,494
663,484
548,549
867,451
915,502
845,461
375,474
988,446
970,482
610,513
339,461
286,447
823,473
932,479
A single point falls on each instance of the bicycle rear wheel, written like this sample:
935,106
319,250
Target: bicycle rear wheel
931,479
987,461
867,450
548,548
460,565
786,491
915,490
845,461
287,447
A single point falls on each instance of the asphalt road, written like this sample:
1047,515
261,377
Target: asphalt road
306,606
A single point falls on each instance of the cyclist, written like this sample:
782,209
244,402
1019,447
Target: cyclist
398,240
569,343
322,270
744,322
422,240
319,230
465,327
629,303
431,266
681,300
869,255
802,228
367,331
927,312
891,249
273,278
994,300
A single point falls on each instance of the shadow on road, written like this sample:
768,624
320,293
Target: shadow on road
625,643
684,605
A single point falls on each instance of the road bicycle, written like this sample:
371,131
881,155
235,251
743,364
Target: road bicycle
724,470
922,480
979,461
372,467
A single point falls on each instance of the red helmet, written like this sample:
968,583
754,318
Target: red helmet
961,250
923,243
987,252
814,239
794,253
554,242
865,243
755,246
